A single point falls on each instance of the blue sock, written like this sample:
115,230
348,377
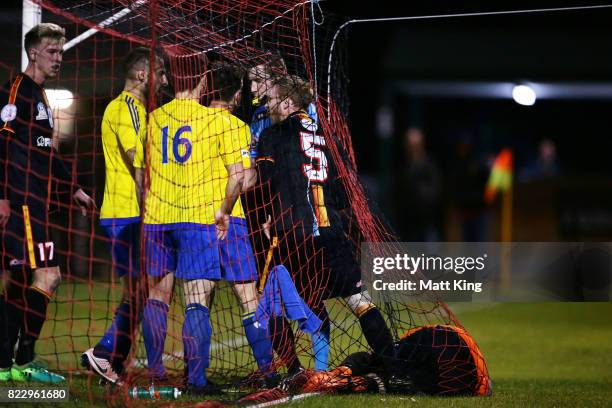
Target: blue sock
259,341
320,339
154,329
320,345
117,339
197,332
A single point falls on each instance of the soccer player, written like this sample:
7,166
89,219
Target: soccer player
438,360
294,159
194,228
123,127
263,78
28,164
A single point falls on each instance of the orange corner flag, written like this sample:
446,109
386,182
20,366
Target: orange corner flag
501,175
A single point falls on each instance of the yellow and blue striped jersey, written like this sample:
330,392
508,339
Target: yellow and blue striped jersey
188,148
123,125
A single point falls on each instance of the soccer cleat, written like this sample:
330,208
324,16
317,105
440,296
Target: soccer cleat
100,366
34,372
5,374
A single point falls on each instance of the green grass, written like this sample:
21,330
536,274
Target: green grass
538,355
543,355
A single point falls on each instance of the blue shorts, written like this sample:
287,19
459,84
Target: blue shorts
192,251
125,248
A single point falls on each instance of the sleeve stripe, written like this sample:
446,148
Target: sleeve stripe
12,97
14,88
129,103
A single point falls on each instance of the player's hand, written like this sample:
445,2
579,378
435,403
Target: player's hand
85,202
5,212
266,227
221,224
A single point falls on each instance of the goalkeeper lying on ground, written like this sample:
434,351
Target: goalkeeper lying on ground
440,360
434,360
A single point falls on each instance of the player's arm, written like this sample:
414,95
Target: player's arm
265,168
250,173
138,161
5,205
6,131
234,151
127,130
64,175
235,179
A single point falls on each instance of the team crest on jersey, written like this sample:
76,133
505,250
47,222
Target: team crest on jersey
9,112
309,124
42,111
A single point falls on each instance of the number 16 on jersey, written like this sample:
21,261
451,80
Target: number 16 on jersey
181,155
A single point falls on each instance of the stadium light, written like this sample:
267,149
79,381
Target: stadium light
523,95
59,98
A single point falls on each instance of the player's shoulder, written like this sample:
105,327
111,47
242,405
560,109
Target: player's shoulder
20,84
302,121
122,103
163,110
227,119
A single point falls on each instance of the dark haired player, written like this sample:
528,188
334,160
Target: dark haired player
28,165
123,126
307,195
194,228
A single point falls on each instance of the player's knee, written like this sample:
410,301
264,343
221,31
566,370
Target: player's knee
47,279
198,291
247,296
360,302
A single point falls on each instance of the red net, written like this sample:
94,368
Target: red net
190,36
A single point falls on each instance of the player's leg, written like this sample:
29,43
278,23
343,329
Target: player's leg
257,336
238,267
314,286
197,331
345,281
114,347
16,279
198,266
155,323
160,264
374,328
37,298
39,250
290,253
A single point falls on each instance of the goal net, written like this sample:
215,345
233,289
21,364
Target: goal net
247,34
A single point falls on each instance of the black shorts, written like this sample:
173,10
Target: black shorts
323,267
26,239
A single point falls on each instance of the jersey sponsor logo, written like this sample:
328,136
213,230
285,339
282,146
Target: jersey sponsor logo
308,124
9,112
42,141
42,112
245,153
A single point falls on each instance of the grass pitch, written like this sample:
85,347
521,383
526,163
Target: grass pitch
541,355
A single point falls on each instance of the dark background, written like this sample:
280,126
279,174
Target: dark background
572,47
